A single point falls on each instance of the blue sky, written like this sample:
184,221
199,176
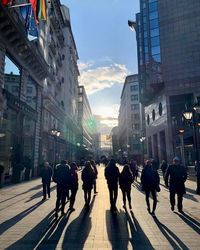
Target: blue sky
106,47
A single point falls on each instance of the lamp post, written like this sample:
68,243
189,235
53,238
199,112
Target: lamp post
128,150
55,134
142,139
190,117
181,131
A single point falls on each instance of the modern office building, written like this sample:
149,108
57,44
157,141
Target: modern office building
169,74
130,119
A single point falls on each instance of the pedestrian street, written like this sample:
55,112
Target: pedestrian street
27,222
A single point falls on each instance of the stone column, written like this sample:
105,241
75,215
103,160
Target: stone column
37,130
23,84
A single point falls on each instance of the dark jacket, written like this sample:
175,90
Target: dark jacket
62,176
46,174
164,166
88,176
197,169
150,179
112,175
74,180
134,169
96,171
177,176
125,181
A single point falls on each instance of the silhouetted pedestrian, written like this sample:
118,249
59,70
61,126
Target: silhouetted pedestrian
46,175
96,175
197,169
163,167
134,169
88,176
112,176
178,176
150,184
62,176
74,184
125,181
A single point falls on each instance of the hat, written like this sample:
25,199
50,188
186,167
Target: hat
176,158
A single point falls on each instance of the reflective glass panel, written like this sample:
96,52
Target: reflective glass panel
145,34
153,15
153,24
144,27
155,50
154,32
145,41
155,41
153,7
146,49
156,58
144,12
151,1
146,57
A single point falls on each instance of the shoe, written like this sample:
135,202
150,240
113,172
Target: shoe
71,209
130,207
172,208
95,192
181,211
44,199
49,196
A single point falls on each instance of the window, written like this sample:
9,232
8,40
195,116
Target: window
136,117
155,50
153,7
29,90
153,15
153,24
134,106
136,126
148,119
15,89
151,1
146,57
134,88
144,26
160,109
146,42
155,41
134,97
153,115
146,49
156,58
154,32
28,99
145,34
80,99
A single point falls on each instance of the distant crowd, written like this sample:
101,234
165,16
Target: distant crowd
65,175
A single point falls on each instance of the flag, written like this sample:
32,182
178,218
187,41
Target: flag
32,25
34,5
41,10
5,2
26,13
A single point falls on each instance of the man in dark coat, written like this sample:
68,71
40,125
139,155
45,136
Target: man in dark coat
197,169
46,175
62,176
178,176
112,176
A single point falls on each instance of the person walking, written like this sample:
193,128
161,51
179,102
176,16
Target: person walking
74,184
46,175
175,178
88,176
96,175
125,181
112,177
150,184
62,176
163,167
197,169
134,169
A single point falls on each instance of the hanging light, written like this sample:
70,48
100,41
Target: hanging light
187,115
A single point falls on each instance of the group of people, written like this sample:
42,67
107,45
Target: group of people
66,177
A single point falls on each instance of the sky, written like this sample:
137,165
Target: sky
106,47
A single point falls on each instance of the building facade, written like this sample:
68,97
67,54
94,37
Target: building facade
168,62
130,119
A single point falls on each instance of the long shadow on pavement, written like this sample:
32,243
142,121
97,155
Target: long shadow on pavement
78,230
39,194
194,224
170,236
27,191
11,222
30,240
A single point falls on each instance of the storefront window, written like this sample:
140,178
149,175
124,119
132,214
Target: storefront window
31,93
29,132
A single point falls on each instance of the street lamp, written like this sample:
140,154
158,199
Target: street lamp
55,134
142,139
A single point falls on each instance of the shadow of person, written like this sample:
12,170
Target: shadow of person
30,240
194,224
170,236
189,190
54,232
78,230
138,239
39,194
31,189
11,222
117,230
190,197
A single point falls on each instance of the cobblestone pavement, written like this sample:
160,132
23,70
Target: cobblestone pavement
28,223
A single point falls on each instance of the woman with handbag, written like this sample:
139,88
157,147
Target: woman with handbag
150,184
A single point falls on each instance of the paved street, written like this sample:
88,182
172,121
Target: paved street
27,223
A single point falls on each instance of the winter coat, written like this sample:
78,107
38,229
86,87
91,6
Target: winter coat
46,174
74,180
88,176
96,171
177,176
125,181
62,176
150,179
134,169
164,167
112,176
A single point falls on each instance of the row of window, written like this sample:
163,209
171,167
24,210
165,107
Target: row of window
134,106
134,98
134,88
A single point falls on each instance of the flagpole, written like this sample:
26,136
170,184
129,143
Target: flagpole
19,5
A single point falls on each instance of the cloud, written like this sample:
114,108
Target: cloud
100,77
